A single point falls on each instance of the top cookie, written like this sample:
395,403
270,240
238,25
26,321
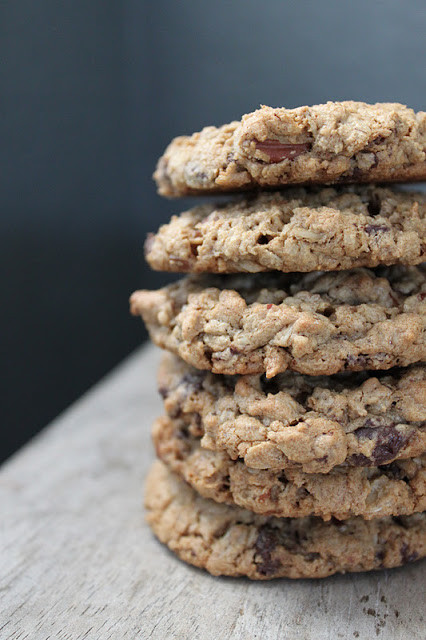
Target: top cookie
326,143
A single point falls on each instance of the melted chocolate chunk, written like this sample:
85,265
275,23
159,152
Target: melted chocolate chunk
194,381
406,554
388,443
356,361
183,433
375,228
265,544
359,460
278,151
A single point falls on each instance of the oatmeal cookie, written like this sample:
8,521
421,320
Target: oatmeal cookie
317,323
326,143
301,422
234,542
295,230
371,492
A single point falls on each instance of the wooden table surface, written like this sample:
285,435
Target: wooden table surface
77,560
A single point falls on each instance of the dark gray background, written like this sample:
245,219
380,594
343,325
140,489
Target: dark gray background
91,93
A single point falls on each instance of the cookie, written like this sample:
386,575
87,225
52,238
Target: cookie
395,489
326,143
317,323
301,422
295,230
234,542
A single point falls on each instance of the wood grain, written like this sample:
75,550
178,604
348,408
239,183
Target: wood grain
77,560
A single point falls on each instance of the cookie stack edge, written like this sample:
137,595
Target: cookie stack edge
294,438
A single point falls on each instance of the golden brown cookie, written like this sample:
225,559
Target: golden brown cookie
398,488
326,143
295,230
316,323
232,541
293,421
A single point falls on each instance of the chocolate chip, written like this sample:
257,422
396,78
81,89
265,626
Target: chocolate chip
388,442
200,175
359,460
375,228
193,381
164,392
183,432
367,431
302,493
278,151
234,350
266,543
378,141
356,361
406,554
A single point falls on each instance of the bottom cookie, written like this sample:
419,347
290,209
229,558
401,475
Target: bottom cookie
231,541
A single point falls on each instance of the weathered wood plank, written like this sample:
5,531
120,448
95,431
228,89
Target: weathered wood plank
77,560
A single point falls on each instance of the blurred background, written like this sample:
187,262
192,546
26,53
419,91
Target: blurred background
91,94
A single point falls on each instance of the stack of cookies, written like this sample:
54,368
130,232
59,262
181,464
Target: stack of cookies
294,439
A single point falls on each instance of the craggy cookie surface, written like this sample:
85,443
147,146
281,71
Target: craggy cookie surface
375,492
295,230
301,422
317,323
232,541
337,141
